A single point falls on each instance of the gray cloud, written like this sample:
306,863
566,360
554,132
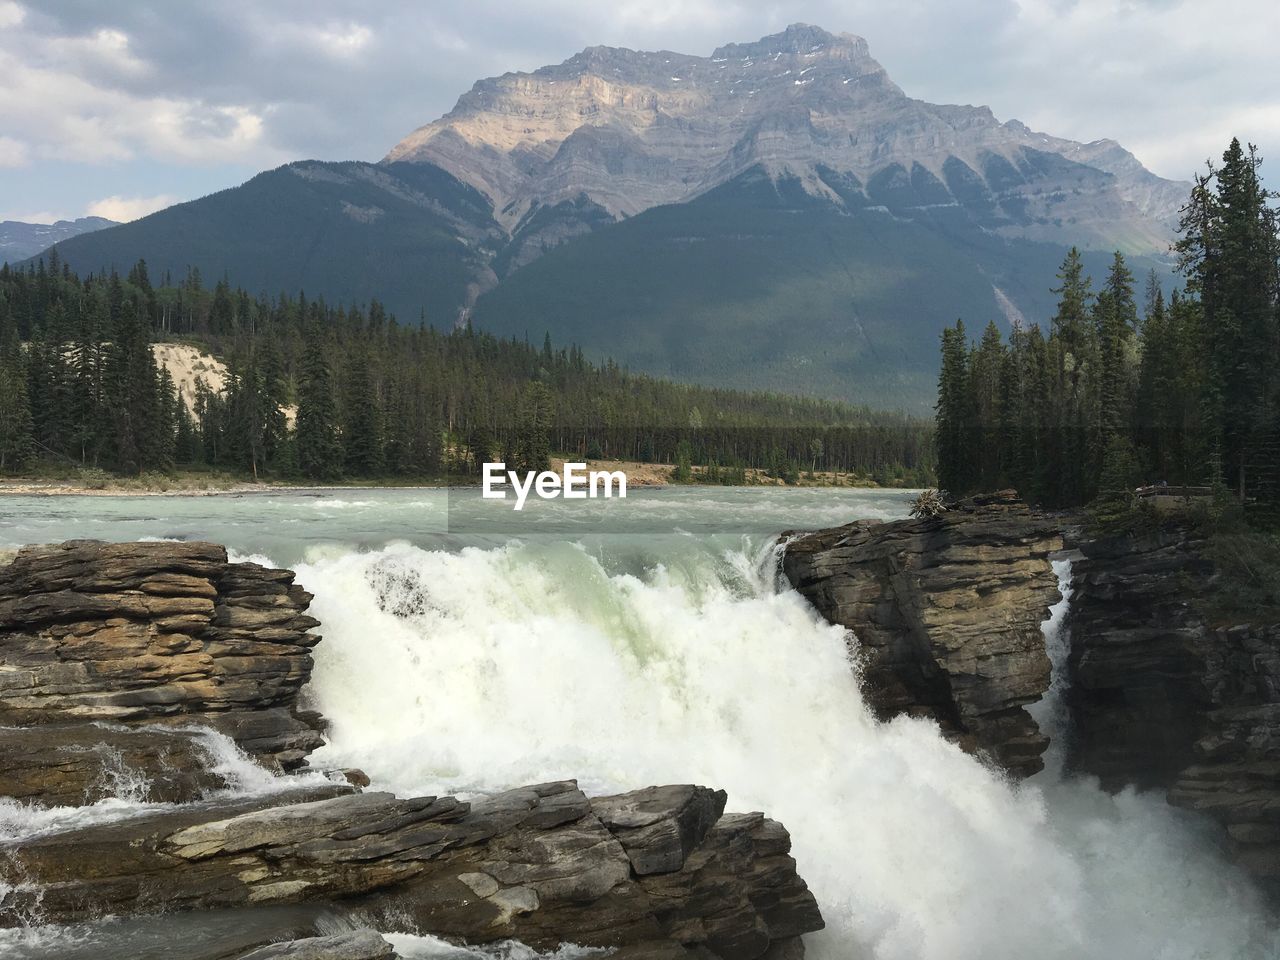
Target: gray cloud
145,83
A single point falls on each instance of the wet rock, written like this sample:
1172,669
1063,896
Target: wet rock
659,826
737,892
946,613
537,864
1163,698
74,764
141,633
356,945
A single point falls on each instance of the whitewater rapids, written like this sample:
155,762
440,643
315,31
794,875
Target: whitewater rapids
464,654
686,660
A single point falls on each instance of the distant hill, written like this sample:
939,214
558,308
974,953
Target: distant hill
19,240
408,234
780,215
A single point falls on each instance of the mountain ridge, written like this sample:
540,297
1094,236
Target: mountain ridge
631,130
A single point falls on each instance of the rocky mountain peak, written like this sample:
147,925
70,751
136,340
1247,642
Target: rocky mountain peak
799,39
619,131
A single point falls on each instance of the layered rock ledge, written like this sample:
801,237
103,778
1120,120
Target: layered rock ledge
118,663
114,652
542,864
1162,697
946,616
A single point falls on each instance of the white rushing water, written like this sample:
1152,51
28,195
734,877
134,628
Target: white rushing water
412,947
476,661
477,670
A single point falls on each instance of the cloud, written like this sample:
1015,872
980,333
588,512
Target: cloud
243,82
91,97
33,216
124,209
13,153
11,14
345,40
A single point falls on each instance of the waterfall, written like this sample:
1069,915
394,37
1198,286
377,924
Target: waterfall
1050,712
668,660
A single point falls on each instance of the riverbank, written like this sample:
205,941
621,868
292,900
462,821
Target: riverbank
210,483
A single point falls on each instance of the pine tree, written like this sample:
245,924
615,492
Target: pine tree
50,382
17,442
536,414
954,414
987,391
1229,252
319,452
185,449
132,396
362,428
1071,321
88,416
1115,320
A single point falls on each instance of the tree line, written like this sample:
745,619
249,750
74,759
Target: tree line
1184,391
323,392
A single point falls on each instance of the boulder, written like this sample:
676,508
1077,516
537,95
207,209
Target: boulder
945,615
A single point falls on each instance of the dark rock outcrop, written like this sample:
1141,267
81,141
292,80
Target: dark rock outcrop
946,613
147,635
1162,697
539,864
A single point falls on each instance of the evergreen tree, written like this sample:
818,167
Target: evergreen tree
17,442
362,428
986,387
1115,323
319,452
954,410
533,444
1228,251
87,416
131,394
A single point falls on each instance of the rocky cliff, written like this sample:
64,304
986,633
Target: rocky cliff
945,616
118,663
1162,697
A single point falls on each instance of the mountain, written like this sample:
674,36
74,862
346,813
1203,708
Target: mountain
634,130
761,284
19,240
778,215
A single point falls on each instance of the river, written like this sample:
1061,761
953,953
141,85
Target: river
648,640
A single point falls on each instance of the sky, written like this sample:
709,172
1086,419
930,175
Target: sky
118,109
